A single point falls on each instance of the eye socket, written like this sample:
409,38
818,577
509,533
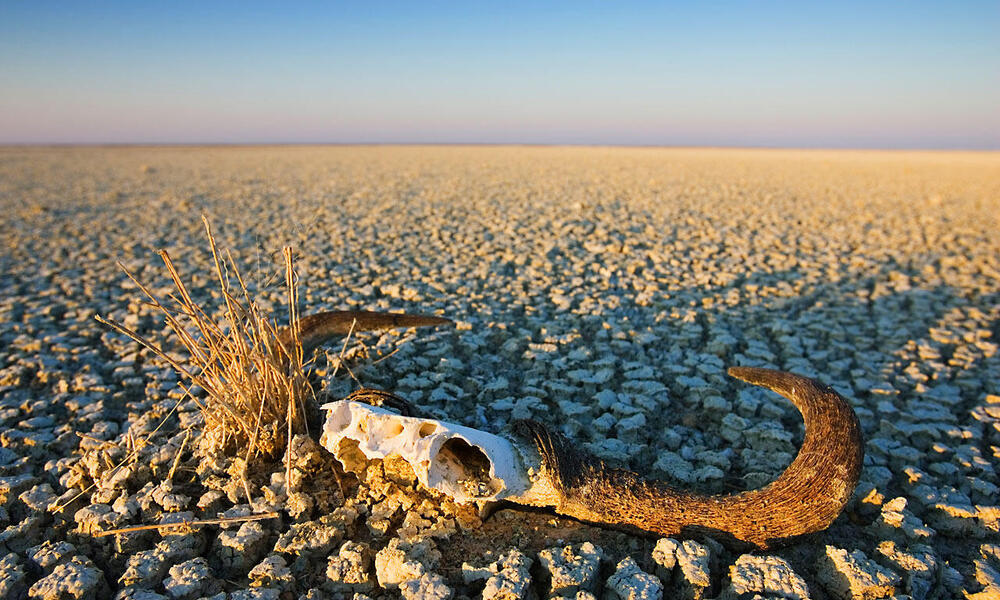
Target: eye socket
394,430
470,468
427,429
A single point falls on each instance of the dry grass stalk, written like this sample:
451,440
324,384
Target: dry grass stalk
190,524
254,376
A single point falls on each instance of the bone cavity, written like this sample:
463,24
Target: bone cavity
466,464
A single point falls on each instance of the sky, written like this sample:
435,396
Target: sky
774,74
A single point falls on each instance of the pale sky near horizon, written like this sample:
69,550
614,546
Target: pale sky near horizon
798,74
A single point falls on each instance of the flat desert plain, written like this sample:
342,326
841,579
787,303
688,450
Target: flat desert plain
601,291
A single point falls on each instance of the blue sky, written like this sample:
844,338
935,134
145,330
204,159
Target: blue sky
801,74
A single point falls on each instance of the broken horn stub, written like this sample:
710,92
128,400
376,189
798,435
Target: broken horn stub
465,464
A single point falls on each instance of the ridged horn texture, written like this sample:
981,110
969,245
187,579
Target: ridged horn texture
317,329
806,498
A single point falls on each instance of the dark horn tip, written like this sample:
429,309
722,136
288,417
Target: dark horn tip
434,320
411,320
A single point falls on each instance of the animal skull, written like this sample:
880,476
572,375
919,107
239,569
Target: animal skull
466,464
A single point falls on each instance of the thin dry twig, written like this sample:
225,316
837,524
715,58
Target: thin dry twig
385,356
190,524
177,457
343,349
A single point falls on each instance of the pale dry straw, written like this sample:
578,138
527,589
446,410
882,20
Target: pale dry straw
254,374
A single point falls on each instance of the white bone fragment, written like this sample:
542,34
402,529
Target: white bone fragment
466,464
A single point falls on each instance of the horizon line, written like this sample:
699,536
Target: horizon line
264,144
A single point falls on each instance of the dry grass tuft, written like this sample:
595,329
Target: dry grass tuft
256,385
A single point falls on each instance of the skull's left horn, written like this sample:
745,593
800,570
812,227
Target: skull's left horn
317,329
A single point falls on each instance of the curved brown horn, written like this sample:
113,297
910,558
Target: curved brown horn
806,498
316,329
